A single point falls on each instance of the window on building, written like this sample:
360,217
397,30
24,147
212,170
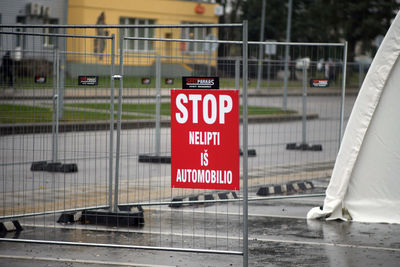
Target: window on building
19,39
195,34
138,45
50,40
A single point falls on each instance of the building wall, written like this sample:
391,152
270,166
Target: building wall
10,9
16,11
164,12
81,51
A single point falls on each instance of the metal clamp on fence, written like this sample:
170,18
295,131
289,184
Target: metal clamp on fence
117,77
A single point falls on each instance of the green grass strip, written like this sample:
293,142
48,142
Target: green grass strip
150,108
10,113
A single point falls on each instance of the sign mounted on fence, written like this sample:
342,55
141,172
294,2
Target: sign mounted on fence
205,139
40,79
88,80
200,82
319,82
169,81
146,80
270,49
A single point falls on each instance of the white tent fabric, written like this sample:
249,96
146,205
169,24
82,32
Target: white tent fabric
365,180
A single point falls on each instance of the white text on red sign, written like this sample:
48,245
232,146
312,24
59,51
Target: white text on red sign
221,107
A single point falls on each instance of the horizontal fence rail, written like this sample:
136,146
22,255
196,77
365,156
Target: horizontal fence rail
57,35
87,26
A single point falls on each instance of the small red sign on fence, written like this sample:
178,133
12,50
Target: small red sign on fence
319,82
88,80
40,79
205,139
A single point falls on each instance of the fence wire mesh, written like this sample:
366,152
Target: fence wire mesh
60,160
146,92
83,120
38,134
302,141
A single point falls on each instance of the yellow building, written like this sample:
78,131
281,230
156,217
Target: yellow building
143,12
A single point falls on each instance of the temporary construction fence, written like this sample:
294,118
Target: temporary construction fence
311,97
75,151
64,166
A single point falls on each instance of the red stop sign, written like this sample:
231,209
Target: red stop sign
205,139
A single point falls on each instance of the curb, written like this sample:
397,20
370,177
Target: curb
285,188
11,129
199,198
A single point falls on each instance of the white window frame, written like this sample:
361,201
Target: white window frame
195,34
138,45
49,41
20,39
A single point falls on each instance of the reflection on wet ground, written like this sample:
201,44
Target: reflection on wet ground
279,235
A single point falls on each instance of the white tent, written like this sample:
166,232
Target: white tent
365,182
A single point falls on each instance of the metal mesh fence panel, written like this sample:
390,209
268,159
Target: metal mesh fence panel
55,153
304,92
145,171
86,140
70,176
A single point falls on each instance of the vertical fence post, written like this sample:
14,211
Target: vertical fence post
245,147
343,93
360,74
63,61
53,123
111,156
158,103
268,71
260,48
58,103
56,76
61,81
304,96
209,60
118,147
285,83
237,74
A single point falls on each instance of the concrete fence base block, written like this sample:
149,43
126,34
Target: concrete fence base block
126,216
285,188
69,217
10,226
154,159
198,199
71,167
250,152
303,147
39,166
54,167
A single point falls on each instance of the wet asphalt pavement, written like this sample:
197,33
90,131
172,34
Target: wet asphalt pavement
279,235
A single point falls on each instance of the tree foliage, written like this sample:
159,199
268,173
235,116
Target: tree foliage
357,22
